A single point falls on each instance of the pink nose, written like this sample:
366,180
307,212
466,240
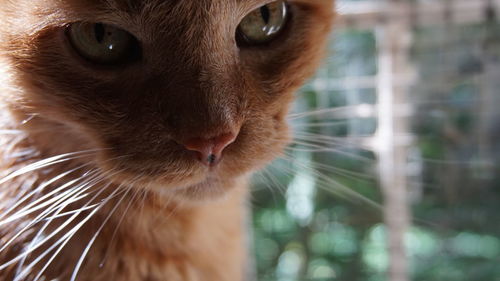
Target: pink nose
209,151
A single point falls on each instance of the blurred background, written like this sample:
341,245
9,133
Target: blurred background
394,172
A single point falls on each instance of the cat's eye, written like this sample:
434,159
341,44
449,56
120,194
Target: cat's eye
102,43
263,24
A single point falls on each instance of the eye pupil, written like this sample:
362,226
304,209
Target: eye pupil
103,44
266,15
99,31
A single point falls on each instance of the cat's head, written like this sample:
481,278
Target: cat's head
179,94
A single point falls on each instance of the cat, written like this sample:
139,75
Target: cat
130,129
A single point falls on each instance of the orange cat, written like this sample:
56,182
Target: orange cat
130,129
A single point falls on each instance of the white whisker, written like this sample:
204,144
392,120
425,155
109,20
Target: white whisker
316,148
339,171
321,124
37,219
340,190
49,162
281,187
11,132
265,176
65,214
320,112
119,223
38,190
89,245
65,239
360,142
40,203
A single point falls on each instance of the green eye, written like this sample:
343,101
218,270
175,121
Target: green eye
103,44
263,24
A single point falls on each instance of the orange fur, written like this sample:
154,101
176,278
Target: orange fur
177,219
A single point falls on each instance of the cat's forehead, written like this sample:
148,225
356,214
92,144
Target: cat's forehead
140,6
156,12
142,13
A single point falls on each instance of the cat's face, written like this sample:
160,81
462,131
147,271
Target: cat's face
190,77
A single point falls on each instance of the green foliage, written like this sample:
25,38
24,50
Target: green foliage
314,217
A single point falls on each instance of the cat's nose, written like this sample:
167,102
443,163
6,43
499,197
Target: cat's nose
209,151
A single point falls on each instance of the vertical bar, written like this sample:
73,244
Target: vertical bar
393,37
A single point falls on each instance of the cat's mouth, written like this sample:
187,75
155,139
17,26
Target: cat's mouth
187,177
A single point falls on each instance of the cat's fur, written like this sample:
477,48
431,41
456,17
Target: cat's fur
171,218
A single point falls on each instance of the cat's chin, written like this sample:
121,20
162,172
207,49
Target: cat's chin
210,189
197,188
215,185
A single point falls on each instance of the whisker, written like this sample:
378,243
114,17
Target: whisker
49,162
320,124
87,249
358,139
91,182
265,176
24,189
164,208
337,170
40,204
57,208
21,154
321,143
119,223
314,136
320,112
77,190
65,214
282,188
316,148
360,142
448,162
65,237
340,190
38,190
11,132
61,227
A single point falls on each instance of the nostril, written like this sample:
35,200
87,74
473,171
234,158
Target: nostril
211,159
209,151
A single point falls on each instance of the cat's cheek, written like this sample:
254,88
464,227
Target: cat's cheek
258,145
